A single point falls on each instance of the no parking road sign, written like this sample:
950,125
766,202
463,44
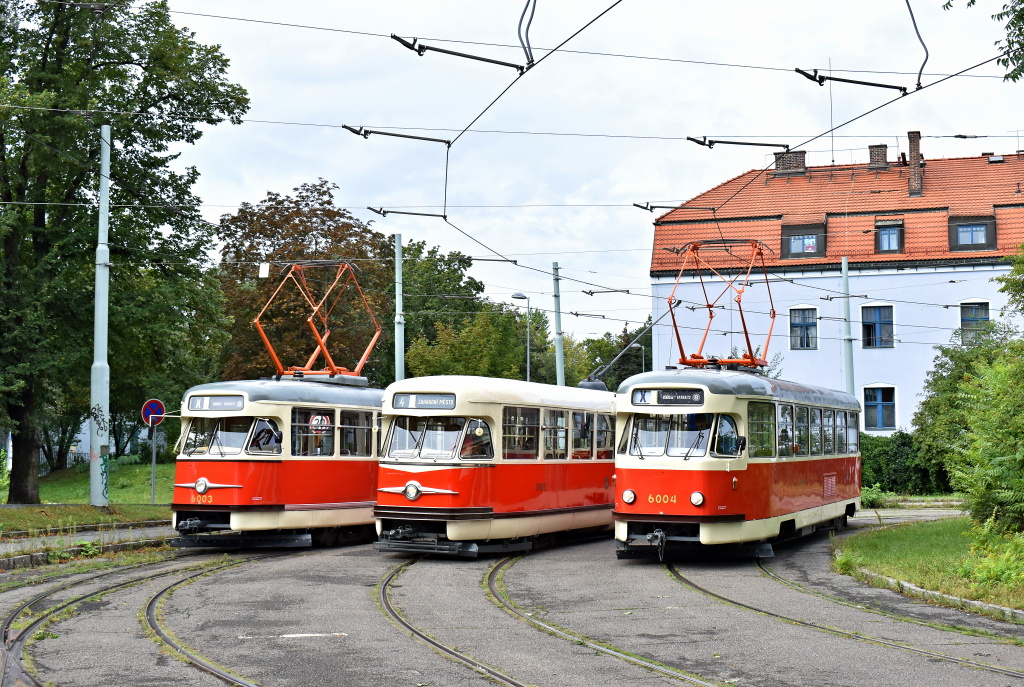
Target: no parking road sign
153,411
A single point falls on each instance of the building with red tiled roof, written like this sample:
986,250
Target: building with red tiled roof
923,240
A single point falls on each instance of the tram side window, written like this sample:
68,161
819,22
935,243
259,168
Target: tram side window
785,430
853,432
582,434
815,431
840,431
604,438
355,433
266,437
477,443
556,428
828,432
312,432
520,429
803,434
761,427
727,442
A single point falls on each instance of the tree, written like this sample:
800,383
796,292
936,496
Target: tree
127,66
282,230
491,345
942,420
1012,14
437,289
1013,281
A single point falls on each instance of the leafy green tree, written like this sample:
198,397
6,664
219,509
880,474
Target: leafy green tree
993,465
1012,17
128,66
287,229
1013,281
891,463
942,420
437,289
491,345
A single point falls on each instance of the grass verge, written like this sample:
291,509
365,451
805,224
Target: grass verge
940,555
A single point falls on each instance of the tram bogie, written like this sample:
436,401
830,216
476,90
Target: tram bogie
722,457
473,465
277,462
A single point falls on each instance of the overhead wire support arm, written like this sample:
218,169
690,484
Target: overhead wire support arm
820,79
652,208
365,133
710,143
384,213
591,293
421,49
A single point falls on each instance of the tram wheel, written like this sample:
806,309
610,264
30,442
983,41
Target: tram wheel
324,537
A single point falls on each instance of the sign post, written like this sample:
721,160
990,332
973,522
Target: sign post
153,412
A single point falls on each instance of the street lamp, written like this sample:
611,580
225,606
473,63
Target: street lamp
524,297
641,347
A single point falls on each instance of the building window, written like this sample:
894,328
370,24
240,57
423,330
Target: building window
876,325
803,241
889,236
803,328
973,319
880,408
972,233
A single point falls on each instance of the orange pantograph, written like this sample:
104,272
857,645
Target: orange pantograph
736,284
318,319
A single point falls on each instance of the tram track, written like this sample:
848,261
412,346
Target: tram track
500,598
878,641
392,612
14,644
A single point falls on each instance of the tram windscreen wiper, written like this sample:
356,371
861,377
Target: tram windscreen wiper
634,441
696,442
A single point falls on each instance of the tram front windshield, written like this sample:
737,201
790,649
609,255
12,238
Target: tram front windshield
683,436
439,438
227,436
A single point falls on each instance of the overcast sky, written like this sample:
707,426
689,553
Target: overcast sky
667,70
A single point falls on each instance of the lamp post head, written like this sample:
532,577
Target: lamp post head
520,296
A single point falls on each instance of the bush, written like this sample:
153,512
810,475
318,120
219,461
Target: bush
167,455
875,497
996,557
892,463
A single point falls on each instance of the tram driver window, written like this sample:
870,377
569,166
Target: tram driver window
727,437
312,432
266,437
477,443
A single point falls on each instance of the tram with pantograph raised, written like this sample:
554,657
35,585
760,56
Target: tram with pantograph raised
471,465
712,451
285,461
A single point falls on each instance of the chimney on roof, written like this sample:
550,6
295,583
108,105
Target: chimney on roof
878,156
791,163
915,177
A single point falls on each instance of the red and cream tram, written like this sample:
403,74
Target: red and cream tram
711,456
283,462
472,464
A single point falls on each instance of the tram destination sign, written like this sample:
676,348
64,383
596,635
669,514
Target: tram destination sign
669,397
424,401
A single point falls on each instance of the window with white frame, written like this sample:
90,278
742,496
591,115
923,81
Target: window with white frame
803,328
888,235
880,408
876,326
973,320
972,233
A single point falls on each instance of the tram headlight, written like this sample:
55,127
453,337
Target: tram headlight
697,498
412,491
629,496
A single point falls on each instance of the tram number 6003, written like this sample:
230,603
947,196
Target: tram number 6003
661,498
202,498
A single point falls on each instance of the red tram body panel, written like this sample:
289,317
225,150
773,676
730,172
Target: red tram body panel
729,457
473,464
294,461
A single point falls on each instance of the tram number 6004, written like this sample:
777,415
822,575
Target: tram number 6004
661,498
202,498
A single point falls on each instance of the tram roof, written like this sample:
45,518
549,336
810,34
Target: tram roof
287,390
508,391
744,384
